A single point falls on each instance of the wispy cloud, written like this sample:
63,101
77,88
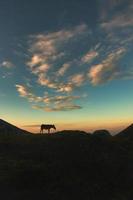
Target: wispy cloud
78,79
111,6
117,23
60,99
120,21
23,91
49,103
7,64
47,47
63,69
46,50
60,68
6,67
106,70
118,26
58,108
6,75
89,56
26,93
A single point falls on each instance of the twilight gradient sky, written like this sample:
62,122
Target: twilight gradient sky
66,62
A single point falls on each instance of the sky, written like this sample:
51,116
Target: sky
67,63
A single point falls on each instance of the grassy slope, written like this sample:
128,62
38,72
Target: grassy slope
66,166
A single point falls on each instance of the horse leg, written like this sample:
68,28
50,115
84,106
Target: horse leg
41,131
48,131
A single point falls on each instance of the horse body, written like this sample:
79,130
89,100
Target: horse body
47,127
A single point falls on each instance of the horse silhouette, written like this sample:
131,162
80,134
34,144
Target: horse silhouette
47,127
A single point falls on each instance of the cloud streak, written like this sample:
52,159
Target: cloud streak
124,19
46,50
89,56
63,61
49,103
63,69
26,93
57,108
7,64
118,27
106,70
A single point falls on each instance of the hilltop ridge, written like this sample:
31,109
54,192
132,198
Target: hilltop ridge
7,128
127,132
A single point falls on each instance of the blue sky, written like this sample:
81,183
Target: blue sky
67,62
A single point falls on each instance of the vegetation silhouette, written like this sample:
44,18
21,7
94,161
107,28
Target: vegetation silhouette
66,165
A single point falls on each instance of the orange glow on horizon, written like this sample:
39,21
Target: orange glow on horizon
113,127
90,125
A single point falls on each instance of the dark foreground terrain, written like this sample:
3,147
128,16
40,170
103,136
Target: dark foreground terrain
66,165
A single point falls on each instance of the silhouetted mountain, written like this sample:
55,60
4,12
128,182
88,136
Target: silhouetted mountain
101,133
7,128
127,132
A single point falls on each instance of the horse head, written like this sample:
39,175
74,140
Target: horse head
53,126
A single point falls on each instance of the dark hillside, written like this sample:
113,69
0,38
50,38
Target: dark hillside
65,165
127,132
9,129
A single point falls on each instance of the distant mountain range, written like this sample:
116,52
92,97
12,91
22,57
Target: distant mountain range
7,128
